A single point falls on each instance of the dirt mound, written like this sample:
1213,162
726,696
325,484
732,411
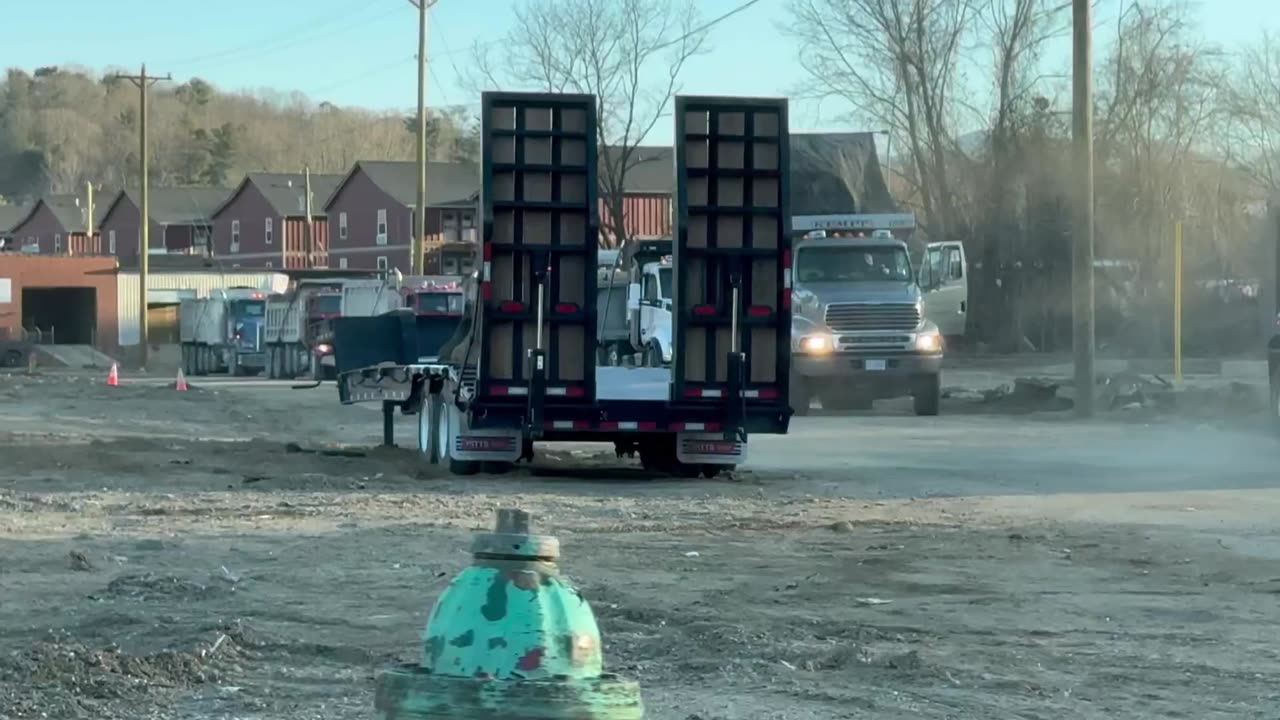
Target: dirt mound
149,586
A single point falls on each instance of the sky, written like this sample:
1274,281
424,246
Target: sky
361,52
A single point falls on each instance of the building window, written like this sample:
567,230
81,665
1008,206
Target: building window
342,226
57,244
111,242
382,227
382,262
342,263
235,236
266,230
267,265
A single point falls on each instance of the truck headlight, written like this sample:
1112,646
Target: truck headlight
929,342
817,344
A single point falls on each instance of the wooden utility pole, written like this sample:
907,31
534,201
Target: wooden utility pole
1082,325
144,82
88,220
418,246
311,232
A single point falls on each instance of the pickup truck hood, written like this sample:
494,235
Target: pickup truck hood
869,292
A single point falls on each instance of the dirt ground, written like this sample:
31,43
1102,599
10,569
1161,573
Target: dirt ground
169,555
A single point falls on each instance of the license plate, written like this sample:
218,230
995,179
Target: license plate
874,364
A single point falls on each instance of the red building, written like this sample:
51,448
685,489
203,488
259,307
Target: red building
263,223
371,211
181,222
648,185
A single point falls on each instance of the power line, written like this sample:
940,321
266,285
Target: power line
707,25
268,41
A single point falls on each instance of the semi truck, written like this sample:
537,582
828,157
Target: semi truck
635,292
224,333
521,368
867,325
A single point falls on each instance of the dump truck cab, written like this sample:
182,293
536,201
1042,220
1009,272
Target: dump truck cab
867,323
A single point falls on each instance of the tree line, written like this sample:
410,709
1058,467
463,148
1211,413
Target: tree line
63,127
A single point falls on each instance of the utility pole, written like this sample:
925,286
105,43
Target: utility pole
1082,320
88,221
311,232
418,246
144,82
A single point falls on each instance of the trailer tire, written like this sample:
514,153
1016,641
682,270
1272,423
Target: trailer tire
428,418
615,356
444,438
926,395
653,355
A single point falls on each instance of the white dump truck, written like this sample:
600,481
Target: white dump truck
224,333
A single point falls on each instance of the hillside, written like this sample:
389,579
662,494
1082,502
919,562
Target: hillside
62,127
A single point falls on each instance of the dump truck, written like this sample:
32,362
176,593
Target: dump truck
521,368
635,287
867,325
224,333
295,322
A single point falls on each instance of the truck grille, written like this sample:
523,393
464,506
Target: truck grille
853,317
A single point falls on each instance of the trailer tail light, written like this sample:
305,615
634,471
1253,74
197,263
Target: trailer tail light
486,282
695,427
567,425
704,309
759,311
698,392
786,279
566,308
511,306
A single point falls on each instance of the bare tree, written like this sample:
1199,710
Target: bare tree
895,61
1254,103
628,53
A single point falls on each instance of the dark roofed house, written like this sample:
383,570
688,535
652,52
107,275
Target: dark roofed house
263,222
371,211
10,216
59,225
181,221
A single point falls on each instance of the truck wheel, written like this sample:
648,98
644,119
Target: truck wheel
653,356
233,367
199,360
927,395
614,357
801,395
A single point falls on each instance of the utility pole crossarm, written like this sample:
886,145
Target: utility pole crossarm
143,82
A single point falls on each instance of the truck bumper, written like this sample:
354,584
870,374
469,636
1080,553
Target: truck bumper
253,360
884,374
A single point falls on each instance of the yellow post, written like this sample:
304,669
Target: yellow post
1177,302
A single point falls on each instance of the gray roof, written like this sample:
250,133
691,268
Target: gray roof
650,169
11,215
181,205
285,191
71,210
836,173
447,183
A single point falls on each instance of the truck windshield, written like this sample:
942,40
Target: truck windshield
665,280
248,308
327,305
853,264
444,303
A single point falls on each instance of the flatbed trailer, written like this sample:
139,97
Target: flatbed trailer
522,368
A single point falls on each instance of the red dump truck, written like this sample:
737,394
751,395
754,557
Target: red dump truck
522,369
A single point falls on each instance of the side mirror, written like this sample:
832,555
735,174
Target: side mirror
633,297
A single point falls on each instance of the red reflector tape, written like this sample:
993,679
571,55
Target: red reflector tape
566,308
486,291
488,252
704,309
786,298
511,306
759,311
695,427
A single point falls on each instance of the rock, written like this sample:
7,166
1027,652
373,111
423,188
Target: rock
79,561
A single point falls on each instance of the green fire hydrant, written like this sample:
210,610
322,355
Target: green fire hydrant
510,639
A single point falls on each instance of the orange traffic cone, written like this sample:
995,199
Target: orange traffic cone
181,382
113,377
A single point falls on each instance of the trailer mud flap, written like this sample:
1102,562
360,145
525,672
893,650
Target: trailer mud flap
709,449
496,445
